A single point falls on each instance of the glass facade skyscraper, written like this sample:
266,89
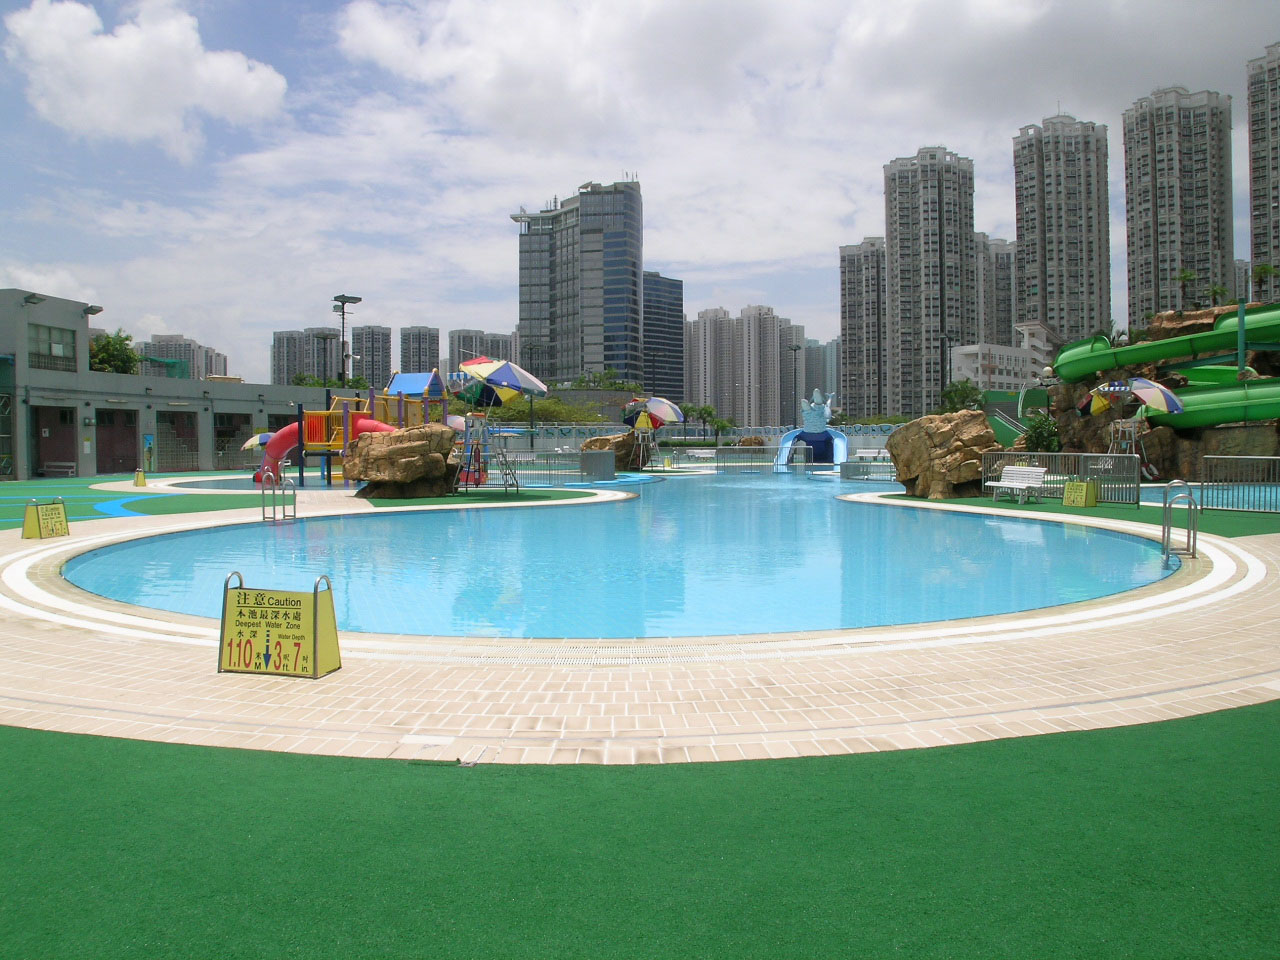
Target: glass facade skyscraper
581,296
663,336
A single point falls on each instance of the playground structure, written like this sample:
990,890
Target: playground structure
1214,395
325,434
829,446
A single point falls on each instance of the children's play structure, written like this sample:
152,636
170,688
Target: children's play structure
829,446
1212,361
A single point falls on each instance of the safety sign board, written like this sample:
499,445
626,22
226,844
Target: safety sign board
281,633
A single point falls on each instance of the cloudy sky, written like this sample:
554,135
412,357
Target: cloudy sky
222,168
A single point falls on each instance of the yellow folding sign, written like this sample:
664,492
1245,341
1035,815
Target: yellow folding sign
283,633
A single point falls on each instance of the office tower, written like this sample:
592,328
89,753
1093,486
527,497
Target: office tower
581,261
371,355
864,361
663,336
198,360
419,349
930,297
1177,175
1264,171
994,283
468,344
1063,257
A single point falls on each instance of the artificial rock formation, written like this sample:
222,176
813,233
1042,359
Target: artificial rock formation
625,451
751,441
941,456
404,464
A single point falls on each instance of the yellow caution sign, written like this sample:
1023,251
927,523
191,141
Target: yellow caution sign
1080,493
139,478
281,633
43,520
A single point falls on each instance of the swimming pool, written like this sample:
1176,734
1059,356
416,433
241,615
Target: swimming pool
695,556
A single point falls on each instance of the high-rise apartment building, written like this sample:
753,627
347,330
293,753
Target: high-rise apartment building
864,366
740,366
822,369
468,344
995,274
581,296
930,296
312,352
1243,290
419,349
200,361
1177,175
1264,171
663,336
371,355
1063,257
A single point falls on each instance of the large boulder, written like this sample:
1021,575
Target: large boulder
941,456
627,454
403,464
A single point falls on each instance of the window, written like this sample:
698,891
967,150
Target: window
51,348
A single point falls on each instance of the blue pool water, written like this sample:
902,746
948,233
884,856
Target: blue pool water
695,556
1224,496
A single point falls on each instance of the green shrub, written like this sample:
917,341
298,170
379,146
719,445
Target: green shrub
1042,434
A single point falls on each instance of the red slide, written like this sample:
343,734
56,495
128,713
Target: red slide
285,439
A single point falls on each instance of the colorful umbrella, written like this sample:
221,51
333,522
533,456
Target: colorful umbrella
458,423
660,410
504,375
257,441
1093,403
1155,396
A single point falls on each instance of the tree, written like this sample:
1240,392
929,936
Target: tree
1217,292
1185,279
1263,273
1042,434
961,395
113,353
720,425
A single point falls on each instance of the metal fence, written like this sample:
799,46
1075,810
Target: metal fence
760,459
1240,483
537,469
1118,475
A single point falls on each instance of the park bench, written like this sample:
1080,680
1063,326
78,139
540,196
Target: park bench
1023,482
700,454
58,468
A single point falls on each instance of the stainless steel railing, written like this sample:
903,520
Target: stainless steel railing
1240,483
1118,475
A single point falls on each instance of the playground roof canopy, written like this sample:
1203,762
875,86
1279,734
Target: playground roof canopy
416,384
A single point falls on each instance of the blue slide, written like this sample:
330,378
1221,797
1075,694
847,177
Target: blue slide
828,441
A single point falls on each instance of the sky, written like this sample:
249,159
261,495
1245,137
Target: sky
223,168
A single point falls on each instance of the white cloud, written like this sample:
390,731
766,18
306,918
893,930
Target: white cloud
149,79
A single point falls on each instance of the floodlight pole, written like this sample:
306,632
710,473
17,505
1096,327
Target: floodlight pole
340,305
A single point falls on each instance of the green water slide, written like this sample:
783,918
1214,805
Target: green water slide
1207,403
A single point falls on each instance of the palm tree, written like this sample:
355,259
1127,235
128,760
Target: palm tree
721,425
1217,292
705,414
1262,273
1185,279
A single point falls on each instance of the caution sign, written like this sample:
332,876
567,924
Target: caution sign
43,520
1080,493
282,633
139,478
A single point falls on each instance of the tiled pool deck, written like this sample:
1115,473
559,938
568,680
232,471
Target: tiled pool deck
1205,639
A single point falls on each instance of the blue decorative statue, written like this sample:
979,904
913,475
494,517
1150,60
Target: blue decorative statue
828,446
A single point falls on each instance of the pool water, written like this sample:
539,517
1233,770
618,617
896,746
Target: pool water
694,556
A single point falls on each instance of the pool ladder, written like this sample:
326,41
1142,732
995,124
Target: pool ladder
1178,492
276,493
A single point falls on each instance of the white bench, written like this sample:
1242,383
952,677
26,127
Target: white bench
1024,482
58,468
700,454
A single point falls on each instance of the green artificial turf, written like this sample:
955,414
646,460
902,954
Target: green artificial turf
1149,841
1223,523
166,504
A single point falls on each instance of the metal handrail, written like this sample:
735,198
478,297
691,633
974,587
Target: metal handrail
1177,492
275,498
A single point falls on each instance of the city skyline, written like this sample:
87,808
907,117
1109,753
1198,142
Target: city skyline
377,149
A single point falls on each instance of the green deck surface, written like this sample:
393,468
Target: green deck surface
1150,841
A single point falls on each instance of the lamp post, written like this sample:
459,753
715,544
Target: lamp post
795,356
944,373
340,303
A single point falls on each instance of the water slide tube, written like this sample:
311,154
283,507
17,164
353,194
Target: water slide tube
839,447
286,438
1215,397
1079,360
